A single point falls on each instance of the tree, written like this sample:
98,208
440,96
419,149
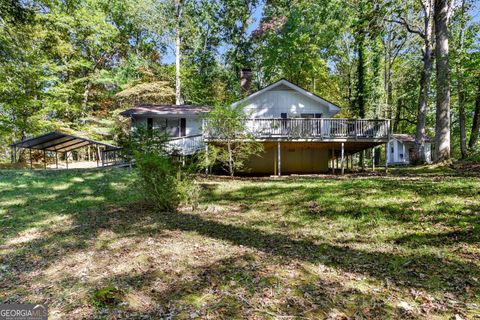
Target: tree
426,33
460,85
442,11
476,119
233,144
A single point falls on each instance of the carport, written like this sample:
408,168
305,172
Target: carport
59,142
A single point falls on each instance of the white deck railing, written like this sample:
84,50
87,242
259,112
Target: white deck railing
186,145
308,128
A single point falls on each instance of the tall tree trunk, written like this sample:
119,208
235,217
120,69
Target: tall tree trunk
86,97
178,92
476,120
361,77
442,126
461,114
460,87
425,76
423,102
361,87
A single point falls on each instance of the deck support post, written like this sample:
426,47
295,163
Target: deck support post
279,160
31,166
373,159
333,160
386,157
343,158
362,159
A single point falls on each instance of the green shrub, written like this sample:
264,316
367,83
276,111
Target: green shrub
189,191
158,180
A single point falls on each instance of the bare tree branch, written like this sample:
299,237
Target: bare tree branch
410,28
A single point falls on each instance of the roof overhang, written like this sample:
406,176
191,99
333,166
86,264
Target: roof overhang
58,141
164,110
401,137
331,107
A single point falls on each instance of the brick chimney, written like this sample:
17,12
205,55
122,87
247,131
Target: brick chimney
246,80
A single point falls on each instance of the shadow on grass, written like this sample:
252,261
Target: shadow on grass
234,287
429,272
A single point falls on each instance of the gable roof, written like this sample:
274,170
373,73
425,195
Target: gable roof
163,109
283,82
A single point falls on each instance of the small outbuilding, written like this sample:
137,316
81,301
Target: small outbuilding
401,149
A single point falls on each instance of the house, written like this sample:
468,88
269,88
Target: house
296,127
182,123
401,149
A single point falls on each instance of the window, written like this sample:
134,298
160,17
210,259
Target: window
172,127
183,127
307,115
284,123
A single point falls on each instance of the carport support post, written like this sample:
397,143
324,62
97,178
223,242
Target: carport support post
56,159
98,155
44,159
343,158
30,150
66,158
279,160
373,159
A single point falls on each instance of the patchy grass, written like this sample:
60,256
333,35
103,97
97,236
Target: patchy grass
374,247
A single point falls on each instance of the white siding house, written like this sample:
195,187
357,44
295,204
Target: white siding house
182,123
176,121
286,100
297,129
401,149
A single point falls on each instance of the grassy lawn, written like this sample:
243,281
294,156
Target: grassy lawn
400,246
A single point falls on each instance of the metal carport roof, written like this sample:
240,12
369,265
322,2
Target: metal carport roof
59,142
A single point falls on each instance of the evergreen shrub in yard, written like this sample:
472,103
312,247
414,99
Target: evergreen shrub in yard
162,181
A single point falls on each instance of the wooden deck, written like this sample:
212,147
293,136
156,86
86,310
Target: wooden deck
308,129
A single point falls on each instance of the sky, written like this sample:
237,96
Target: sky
169,58
256,17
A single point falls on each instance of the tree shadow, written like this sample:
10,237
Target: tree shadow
429,272
238,287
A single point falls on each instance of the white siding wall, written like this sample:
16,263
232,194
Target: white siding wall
400,148
193,123
272,103
428,152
